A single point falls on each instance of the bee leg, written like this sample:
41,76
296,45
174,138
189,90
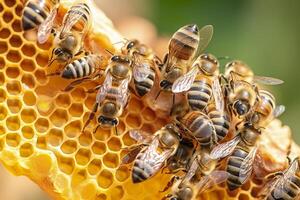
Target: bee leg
93,89
54,74
74,83
173,103
91,116
170,183
272,175
167,197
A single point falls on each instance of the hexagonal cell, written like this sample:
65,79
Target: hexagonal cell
90,101
78,177
127,140
42,60
13,123
102,134
1,8
149,128
69,146
114,144
40,76
14,105
99,148
18,10
26,150
28,115
13,87
12,72
101,197
121,127
15,41
3,112
3,47
65,164
94,167
111,160
117,192
9,3
63,100
134,120
73,129
76,109
29,98
2,78
13,56
46,46
27,65
2,62
2,130
55,137
59,117
2,95
44,105
148,115
4,33
2,144
41,142
246,186
41,125
105,179
243,196
16,25
78,94
28,50
122,173
85,139
27,132
7,16
28,81
13,139
135,105
83,156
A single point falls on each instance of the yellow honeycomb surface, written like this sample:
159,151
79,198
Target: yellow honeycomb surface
40,128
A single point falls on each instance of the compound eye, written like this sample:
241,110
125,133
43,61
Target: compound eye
115,58
101,119
130,45
241,108
115,122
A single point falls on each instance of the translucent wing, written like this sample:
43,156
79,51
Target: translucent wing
278,110
141,71
123,92
186,81
289,173
268,187
247,166
140,136
71,18
267,80
130,157
214,178
104,88
192,170
46,26
206,33
218,94
224,149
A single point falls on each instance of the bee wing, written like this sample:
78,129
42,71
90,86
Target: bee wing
46,26
214,178
71,18
130,157
206,33
186,81
269,186
278,110
153,157
218,94
140,136
192,171
267,80
123,92
289,173
104,88
141,71
247,165
224,149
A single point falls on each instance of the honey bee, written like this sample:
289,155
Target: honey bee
243,72
242,153
150,156
112,95
200,176
37,12
285,185
182,49
143,65
69,40
265,110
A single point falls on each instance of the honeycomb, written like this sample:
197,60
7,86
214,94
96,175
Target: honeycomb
40,127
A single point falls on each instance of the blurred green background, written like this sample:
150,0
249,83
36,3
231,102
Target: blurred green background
264,34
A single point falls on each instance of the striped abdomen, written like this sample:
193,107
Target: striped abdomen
35,12
83,12
201,127
184,42
145,86
221,123
199,94
234,163
290,190
81,67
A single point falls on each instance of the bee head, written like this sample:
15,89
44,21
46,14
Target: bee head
241,107
169,136
106,122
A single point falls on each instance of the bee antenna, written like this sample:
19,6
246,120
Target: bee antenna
51,62
120,41
108,51
116,130
158,94
96,129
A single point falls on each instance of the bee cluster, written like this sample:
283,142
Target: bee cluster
221,116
